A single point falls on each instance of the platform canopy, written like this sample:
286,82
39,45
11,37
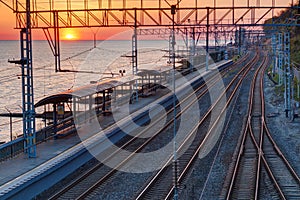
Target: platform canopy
54,99
81,92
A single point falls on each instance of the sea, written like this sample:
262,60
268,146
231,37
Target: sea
91,64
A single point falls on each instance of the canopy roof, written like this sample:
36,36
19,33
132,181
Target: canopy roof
83,91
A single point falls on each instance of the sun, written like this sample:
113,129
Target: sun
69,36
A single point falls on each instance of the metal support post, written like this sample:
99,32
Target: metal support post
233,20
193,48
225,46
10,130
74,104
10,126
287,74
193,42
216,37
10,123
142,13
240,39
27,87
159,12
56,42
134,56
173,12
134,53
273,5
186,42
54,118
207,39
95,39
274,70
11,133
170,48
104,101
91,107
280,57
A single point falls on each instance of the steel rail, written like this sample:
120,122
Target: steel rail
279,152
101,181
159,173
244,136
259,144
108,175
187,168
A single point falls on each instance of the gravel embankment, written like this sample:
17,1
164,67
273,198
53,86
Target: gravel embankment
285,132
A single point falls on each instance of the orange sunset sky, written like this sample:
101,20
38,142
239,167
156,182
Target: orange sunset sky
7,20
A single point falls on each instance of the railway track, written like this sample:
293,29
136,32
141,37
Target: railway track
160,186
258,154
246,183
285,179
99,174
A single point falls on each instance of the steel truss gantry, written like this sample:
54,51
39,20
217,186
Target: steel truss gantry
88,13
282,65
27,92
287,74
27,86
145,16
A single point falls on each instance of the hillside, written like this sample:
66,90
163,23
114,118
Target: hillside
285,17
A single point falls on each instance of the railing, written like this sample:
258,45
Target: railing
14,147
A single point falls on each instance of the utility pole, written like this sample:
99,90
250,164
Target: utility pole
173,12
